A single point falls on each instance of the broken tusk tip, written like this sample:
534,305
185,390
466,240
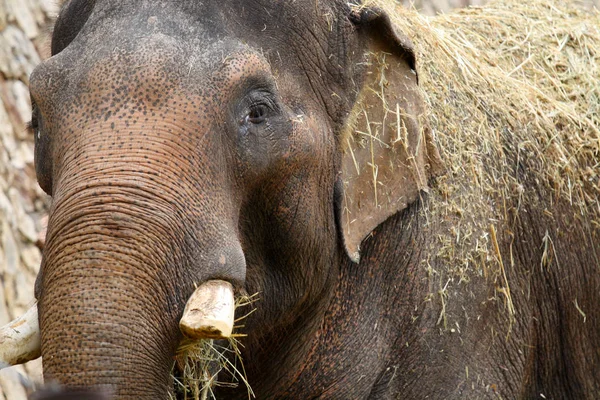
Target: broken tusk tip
205,332
209,312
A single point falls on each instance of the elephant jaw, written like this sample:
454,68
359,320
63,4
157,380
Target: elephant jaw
209,312
20,339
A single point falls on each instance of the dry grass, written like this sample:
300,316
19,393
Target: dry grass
200,362
513,96
525,74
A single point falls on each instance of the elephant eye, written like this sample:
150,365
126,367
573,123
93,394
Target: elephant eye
257,114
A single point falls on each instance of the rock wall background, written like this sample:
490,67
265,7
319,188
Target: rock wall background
22,203
24,27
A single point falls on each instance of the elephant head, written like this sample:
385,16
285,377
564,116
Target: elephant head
256,143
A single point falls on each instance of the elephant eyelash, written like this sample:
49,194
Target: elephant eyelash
257,113
263,98
32,126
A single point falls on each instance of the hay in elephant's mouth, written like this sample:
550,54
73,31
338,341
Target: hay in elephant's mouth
201,364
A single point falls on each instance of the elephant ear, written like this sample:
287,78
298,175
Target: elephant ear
389,152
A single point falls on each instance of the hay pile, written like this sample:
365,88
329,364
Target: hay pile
513,95
525,74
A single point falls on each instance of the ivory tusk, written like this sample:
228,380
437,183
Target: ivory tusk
209,312
20,339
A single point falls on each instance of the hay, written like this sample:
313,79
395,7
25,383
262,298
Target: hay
518,73
513,96
199,363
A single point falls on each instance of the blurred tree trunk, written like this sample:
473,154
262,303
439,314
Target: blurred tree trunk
22,44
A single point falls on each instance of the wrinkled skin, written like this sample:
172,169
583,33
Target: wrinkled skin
189,141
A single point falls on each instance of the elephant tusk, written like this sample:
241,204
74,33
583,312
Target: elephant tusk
209,312
20,339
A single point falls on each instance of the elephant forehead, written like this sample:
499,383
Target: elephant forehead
155,72
156,75
296,37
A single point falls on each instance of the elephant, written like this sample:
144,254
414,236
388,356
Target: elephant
277,148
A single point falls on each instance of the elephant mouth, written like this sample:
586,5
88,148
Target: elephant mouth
208,317
210,355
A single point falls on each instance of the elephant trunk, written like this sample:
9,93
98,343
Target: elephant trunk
110,294
101,328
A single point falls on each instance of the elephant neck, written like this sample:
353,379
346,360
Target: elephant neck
361,334
353,332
